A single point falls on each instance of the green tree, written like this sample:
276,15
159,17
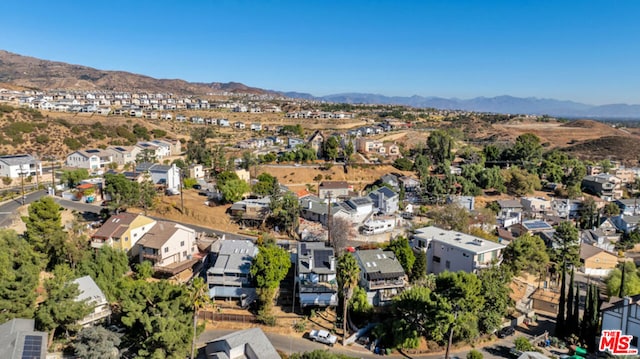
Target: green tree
527,150
107,267
359,303
267,185
199,298
474,354
331,148
269,268
285,210
610,210
631,280
73,177
96,342
403,164
464,292
144,270
520,182
526,253
158,316
440,146
492,153
19,270
60,311
348,151
523,344
44,231
562,305
122,191
491,178
495,290
233,190
348,272
588,213
419,270
452,216
568,251
421,164
404,253
570,300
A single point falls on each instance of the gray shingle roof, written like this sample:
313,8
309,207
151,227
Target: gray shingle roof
379,264
16,160
249,343
235,256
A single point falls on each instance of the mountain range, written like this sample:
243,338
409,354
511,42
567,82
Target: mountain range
31,72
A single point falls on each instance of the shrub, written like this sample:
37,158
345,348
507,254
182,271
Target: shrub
72,143
474,354
7,180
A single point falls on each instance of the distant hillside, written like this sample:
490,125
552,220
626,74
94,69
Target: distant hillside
42,74
608,147
500,104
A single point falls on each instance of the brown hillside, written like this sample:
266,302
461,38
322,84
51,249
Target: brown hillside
624,148
42,74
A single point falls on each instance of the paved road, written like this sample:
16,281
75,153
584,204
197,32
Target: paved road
9,210
296,344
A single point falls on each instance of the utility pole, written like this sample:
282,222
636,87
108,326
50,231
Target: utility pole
329,221
22,173
181,190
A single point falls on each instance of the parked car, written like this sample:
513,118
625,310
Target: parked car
505,332
323,336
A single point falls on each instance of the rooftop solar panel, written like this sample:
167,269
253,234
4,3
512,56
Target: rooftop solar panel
32,347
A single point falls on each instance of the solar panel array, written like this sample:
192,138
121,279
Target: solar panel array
32,347
321,258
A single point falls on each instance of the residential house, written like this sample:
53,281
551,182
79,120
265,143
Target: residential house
409,184
153,151
92,159
623,314
628,207
626,175
256,126
196,171
293,142
359,209
169,147
454,251
122,231
168,246
535,207
230,277
316,275
165,176
124,154
466,202
239,125
566,208
20,340
546,301
95,298
14,166
510,212
600,238
244,344
392,180
316,142
603,185
385,200
314,209
596,261
251,212
334,189
381,275
532,226
624,223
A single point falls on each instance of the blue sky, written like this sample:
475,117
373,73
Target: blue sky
587,51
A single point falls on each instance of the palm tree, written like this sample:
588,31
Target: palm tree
199,298
348,274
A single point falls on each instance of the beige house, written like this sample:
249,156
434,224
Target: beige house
546,301
596,261
167,244
122,231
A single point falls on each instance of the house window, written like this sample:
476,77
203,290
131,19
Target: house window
166,249
481,257
447,264
436,259
182,244
126,239
184,254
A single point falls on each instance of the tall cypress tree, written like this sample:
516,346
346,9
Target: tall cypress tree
570,300
594,318
584,325
562,306
575,323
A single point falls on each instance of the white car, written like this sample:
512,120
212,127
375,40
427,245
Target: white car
323,336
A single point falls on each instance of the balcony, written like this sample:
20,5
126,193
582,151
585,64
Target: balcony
390,283
95,316
98,243
152,256
229,281
319,287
